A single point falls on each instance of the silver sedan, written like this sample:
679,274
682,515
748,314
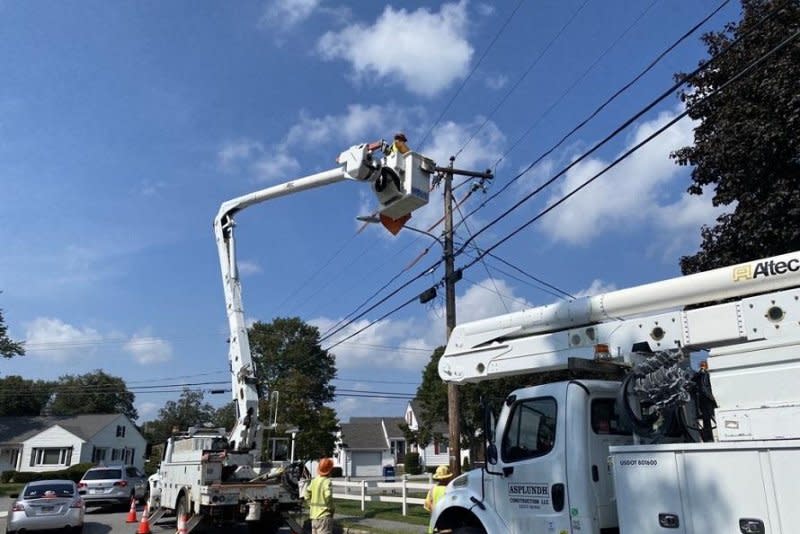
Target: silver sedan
47,504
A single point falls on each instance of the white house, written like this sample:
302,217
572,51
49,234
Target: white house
436,453
368,444
53,443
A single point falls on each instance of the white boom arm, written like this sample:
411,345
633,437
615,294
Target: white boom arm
544,338
356,163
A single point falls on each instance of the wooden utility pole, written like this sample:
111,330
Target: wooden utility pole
451,276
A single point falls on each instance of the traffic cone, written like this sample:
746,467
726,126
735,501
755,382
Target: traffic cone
144,524
182,524
132,512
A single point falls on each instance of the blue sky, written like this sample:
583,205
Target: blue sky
124,126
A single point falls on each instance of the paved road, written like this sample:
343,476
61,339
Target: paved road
101,521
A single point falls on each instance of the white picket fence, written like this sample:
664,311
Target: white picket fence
376,489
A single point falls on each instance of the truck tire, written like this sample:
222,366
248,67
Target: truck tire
468,530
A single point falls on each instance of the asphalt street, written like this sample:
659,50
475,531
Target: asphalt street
101,521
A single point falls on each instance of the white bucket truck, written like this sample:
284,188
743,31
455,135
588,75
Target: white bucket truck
627,437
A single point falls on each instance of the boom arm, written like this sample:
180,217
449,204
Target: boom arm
544,338
356,163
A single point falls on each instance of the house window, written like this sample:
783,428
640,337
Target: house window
398,448
116,454
440,447
51,456
99,455
10,457
129,455
120,431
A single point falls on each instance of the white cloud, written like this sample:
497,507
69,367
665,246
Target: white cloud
286,14
233,153
483,299
481,152
422,50
485,9
400,340
628,194
680,222
496,82
278,166
352,127
247,267
53,339
597,287
147,349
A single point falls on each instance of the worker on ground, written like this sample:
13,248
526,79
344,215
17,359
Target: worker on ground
319,496
442,477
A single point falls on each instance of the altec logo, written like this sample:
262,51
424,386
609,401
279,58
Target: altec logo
764,269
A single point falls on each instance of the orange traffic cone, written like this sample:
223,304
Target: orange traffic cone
182,524
132,512
144,524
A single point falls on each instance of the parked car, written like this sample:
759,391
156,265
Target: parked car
45,505
113,484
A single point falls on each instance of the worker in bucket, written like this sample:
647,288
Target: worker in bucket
442,477
319,496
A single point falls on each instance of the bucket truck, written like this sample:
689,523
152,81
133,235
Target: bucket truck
623,434
214,476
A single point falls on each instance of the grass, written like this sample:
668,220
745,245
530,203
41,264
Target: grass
390,511
6,489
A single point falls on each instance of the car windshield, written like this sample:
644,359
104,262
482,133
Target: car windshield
102,474
49,490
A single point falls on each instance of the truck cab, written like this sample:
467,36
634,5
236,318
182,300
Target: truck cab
547,467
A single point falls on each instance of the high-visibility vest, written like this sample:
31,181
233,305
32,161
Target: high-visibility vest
434,494
319,496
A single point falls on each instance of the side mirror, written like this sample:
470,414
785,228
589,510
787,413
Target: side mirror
491,454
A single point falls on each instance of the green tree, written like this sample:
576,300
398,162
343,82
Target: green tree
225,416
19,396
95,392
8,347
189,410
746,147
289,359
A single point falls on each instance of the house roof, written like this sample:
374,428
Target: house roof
364,433
393,427
19,429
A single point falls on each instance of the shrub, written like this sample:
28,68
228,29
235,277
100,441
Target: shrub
412,465
466,465
336,472
76,472
6,476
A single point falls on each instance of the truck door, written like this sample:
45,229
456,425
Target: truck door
531,495
604,431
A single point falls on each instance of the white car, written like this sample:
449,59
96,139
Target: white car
45,505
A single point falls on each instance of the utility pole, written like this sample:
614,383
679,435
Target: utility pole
451,276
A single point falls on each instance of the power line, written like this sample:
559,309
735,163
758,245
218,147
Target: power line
639,145
616,132
521,78
605,140
475,68
534,278
601,107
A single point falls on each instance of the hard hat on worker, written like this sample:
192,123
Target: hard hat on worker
442,473
325,467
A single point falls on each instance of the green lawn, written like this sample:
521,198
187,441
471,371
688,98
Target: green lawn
417,515
5,489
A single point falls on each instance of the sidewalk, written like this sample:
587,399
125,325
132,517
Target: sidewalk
393,527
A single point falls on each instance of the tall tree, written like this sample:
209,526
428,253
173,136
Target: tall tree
8,347
746,147
95,392
290,360
225,416
189,410
19,396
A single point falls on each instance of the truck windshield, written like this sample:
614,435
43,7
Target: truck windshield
531,429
